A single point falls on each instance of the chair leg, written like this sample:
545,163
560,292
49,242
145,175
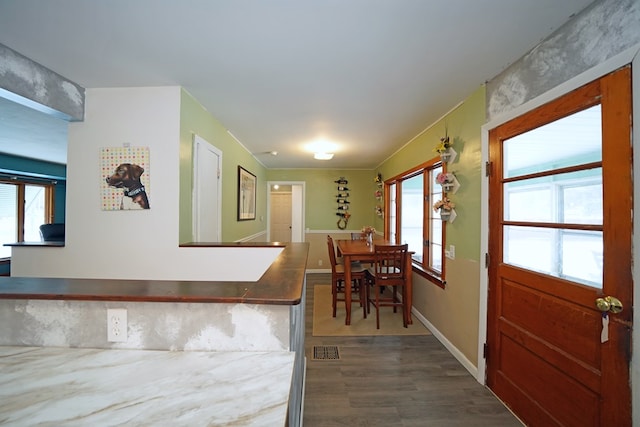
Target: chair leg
334,295
363,297
377,307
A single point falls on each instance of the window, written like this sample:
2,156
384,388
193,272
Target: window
553,198
410,218
23,208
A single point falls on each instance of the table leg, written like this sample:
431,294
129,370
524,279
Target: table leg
347,288
409,291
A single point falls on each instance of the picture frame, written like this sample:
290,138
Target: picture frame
247,184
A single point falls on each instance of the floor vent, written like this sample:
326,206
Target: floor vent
326,352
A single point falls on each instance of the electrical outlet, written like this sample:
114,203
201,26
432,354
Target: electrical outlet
320,262
116,324
451,253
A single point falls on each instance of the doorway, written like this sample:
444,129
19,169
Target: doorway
206,191
560,273
285,211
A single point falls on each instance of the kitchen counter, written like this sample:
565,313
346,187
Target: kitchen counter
281,284
47,386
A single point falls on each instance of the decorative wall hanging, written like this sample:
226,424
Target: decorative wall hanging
445,208
448,182
445,149
343,203
246,195
124,178
379,195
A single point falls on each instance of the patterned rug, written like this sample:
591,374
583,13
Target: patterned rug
326,325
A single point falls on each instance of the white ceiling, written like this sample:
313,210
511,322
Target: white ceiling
368,75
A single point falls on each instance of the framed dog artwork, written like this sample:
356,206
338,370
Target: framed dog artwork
124,178
246,195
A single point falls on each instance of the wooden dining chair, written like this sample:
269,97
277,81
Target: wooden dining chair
337,279
389,271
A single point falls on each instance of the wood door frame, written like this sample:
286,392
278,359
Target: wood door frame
630,56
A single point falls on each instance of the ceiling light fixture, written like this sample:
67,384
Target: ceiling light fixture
323,156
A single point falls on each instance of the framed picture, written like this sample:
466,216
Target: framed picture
124,178
246,195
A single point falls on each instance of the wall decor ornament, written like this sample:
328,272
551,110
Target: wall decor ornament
247,185
124,178
445,207
343,203
445,149
448,182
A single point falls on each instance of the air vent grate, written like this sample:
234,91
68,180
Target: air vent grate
326,352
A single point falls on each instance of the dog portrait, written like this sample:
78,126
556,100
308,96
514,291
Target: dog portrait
127,176
125,180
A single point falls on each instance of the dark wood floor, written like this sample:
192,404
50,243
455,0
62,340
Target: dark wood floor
392,381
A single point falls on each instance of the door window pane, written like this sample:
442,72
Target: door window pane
569,254
570,141
569,198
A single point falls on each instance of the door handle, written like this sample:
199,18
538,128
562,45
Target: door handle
609,304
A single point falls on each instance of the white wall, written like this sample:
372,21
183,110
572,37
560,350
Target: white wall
131,244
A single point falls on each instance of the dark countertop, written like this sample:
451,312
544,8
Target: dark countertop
281,284
37,244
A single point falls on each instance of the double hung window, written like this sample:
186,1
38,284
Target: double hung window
410,218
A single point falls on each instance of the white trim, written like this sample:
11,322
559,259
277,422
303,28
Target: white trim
626,57
252,237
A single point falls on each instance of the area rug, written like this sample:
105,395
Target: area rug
326,325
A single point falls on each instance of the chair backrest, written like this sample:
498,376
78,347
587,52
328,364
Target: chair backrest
357,236
52,232
332,253
390,263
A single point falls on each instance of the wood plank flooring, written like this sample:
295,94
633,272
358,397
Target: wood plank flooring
392,381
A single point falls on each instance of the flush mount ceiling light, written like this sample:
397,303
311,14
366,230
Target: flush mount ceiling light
323,156
322,149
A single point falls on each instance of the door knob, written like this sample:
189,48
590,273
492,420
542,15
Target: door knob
610,304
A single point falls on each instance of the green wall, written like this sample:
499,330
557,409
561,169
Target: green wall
194,119
321,191
463,127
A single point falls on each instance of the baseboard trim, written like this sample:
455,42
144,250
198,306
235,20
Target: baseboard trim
473,370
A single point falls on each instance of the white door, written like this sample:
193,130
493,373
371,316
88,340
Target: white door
294,218
206,191
281,217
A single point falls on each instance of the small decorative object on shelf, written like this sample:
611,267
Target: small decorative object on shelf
448,182
446,209
445,149
368,231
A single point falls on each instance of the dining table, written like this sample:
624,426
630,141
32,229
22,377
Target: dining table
363,251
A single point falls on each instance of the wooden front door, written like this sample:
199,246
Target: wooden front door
560,227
